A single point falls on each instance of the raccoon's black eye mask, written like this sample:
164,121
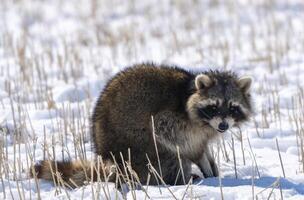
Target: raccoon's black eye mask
237,113
210,111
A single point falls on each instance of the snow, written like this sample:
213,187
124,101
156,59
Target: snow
68,93
56,56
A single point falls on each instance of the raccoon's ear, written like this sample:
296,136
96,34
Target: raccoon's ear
202,81
245,83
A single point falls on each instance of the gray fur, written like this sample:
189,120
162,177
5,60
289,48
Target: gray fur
188,110
172,96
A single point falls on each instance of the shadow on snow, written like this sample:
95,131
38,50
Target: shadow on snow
263,182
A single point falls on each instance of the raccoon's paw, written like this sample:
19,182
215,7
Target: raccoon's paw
207,166
206,169
214,169
210,170
207,172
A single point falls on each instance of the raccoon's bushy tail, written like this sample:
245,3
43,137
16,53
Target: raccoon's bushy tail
72,173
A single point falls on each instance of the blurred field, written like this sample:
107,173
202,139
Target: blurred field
56,56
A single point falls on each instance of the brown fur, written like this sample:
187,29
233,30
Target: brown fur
74,173
121,123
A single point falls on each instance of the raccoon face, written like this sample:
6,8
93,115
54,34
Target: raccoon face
221,99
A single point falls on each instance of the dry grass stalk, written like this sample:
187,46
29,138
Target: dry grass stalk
155,144
220,172
281,162
234,158
253,156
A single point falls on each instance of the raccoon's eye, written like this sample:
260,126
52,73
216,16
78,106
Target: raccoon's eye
214,107
236,112
234,109
208,112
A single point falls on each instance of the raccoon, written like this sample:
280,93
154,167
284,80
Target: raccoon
161,116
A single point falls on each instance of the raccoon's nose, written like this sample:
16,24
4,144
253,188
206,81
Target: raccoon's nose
223,126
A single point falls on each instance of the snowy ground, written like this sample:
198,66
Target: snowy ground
56,56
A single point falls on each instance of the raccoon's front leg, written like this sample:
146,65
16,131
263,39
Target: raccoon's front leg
166,124
207,164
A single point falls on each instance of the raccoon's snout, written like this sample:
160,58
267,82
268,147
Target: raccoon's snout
220,124
223,126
